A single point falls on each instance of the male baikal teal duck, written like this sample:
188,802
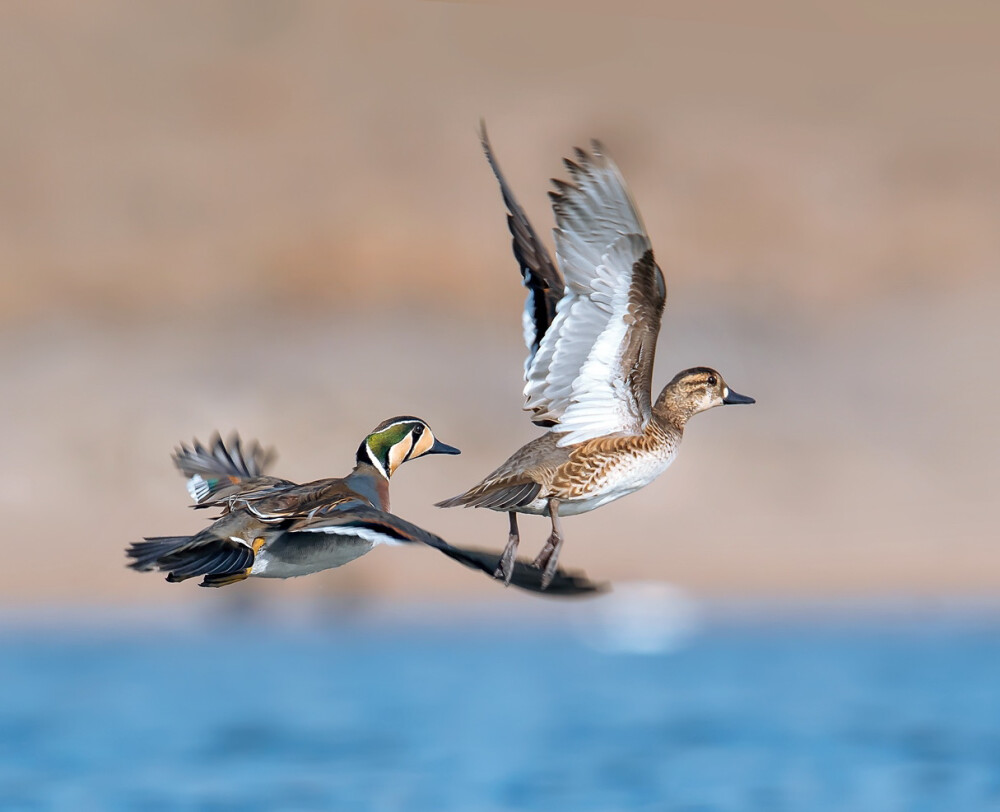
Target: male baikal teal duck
274,528
591,340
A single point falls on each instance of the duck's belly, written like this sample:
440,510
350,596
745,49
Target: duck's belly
604,483
302,554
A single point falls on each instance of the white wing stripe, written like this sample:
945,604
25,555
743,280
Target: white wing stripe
577,377
361,532
584,356
593,403
197,487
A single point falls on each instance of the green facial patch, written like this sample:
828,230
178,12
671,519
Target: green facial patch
381,441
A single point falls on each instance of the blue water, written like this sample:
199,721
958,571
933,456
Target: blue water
370,716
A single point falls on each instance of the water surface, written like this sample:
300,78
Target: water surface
471,717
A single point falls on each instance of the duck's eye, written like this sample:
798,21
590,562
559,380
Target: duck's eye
712,380
417,432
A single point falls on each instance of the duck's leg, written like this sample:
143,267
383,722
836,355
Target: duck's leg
548,558
505,569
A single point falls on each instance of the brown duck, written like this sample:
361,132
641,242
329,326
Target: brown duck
591,335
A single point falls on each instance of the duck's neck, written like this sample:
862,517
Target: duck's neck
671,412
367,480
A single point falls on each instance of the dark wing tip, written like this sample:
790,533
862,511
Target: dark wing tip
455,501
565,583
574,168
545,423
525,576
563,187
538,271
484,141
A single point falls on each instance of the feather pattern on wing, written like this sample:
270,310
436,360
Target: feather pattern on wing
593,369
247,492
221,469
320,498
540,275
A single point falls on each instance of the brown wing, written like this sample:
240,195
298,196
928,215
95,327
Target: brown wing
496,495
302,501
242,492
518,481
647,297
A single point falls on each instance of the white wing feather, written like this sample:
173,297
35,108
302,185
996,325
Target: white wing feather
577,377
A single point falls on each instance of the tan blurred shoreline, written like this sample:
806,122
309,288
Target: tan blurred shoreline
177,156
276,218
852,478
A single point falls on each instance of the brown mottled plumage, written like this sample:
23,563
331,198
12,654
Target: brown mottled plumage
591,342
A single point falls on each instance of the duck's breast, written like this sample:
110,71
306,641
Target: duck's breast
604,472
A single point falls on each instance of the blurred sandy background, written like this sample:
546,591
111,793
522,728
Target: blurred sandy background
275,217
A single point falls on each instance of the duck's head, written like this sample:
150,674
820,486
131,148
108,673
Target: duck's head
398,439
695,390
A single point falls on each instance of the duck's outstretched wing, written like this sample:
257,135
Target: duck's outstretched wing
592,373
221,469
385,528
538,271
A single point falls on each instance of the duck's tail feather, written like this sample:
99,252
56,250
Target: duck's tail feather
183,557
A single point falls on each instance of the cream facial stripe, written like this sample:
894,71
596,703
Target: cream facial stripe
423,445
399,452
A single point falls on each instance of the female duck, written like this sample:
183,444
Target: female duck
591,340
